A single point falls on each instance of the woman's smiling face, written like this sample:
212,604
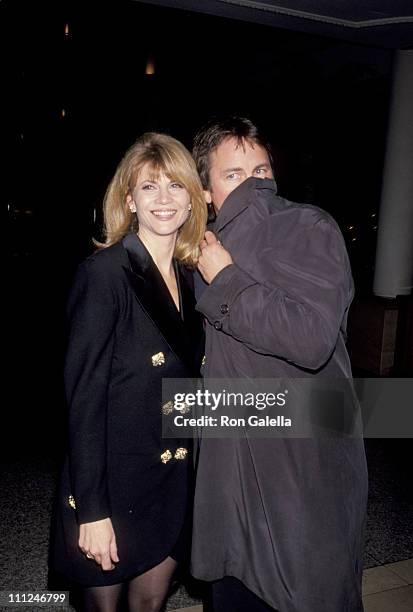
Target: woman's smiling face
162,205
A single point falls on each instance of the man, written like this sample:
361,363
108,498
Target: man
277,522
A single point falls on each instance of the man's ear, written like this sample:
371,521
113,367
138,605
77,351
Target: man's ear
207,196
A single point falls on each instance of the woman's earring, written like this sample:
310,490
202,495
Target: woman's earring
190,207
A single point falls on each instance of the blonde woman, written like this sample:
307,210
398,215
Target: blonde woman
123,499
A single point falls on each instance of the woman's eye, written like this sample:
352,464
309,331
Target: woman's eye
148,186
177,185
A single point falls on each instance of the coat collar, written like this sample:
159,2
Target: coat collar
240,199
180,329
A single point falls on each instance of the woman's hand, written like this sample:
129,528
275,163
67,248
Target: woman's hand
97,541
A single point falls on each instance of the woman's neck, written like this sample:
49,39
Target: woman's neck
161,249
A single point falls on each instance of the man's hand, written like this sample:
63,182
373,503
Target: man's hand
213,258
97,541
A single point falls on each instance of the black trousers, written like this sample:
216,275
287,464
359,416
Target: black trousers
231,595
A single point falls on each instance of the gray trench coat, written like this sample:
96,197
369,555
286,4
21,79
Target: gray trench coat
284,516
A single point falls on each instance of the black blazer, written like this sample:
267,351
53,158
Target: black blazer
125,336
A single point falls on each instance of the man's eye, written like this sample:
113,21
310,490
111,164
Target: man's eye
261,171
232,176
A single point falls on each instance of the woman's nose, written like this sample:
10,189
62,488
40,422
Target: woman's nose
164,196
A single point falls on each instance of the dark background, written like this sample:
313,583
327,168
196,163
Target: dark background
76,96
324,104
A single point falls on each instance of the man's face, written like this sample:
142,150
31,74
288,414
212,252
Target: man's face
231,164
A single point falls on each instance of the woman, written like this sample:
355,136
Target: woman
123,501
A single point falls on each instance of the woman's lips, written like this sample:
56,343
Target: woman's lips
163,214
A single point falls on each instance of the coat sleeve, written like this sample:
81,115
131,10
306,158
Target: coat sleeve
296,312
92,319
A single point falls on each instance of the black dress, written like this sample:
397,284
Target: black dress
126,335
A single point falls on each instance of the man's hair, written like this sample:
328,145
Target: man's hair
210,136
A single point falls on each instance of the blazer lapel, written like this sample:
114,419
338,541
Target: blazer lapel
193,320
155,298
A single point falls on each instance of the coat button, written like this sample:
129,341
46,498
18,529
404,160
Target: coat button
158,359
166,456
181,453
71,501
217,324
167,408
224,308
184,409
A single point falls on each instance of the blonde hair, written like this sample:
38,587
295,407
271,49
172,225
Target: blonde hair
163,154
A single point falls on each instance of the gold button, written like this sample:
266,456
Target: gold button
166,456
72,502
168,408
158,359
184,409
180,453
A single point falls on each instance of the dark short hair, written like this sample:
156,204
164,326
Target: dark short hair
210,136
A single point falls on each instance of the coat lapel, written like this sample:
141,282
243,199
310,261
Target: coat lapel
155,298
240,199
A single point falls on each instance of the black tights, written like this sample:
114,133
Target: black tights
145,593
